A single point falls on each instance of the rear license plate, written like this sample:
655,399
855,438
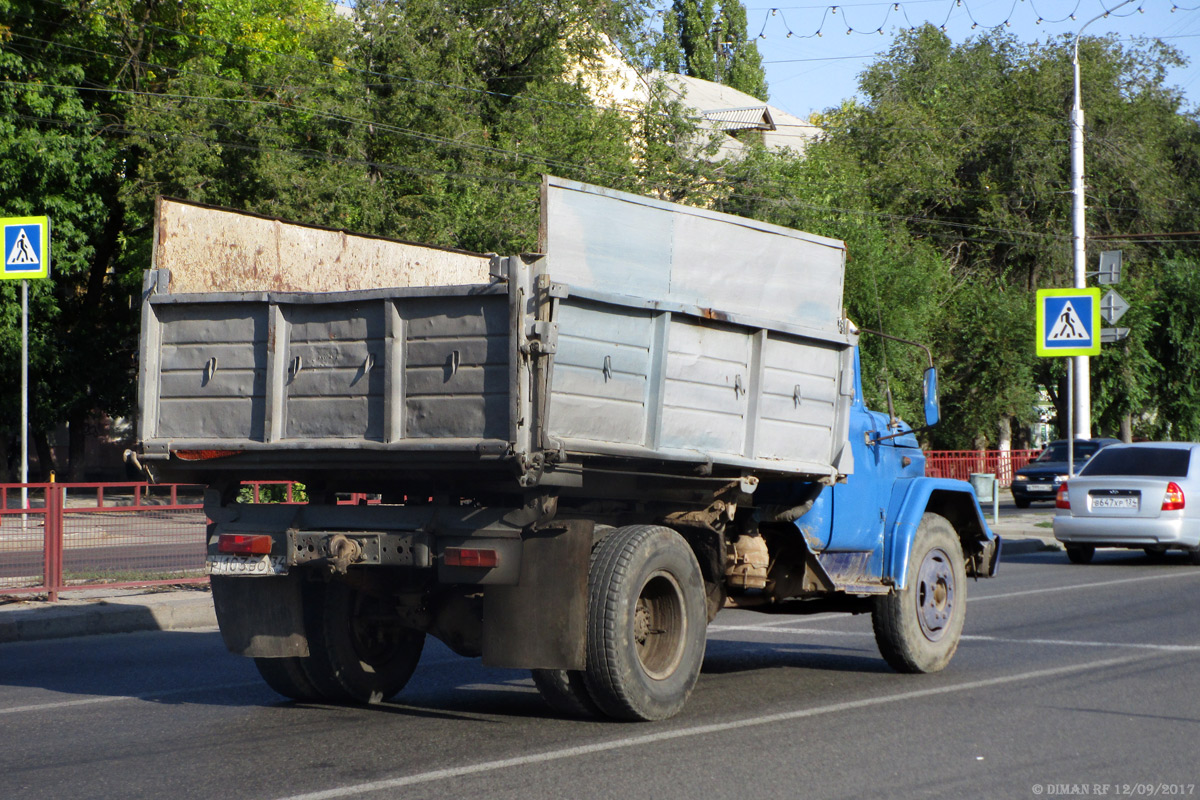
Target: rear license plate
1038,487
1115,502
247,566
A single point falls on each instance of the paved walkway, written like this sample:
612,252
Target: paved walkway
96,611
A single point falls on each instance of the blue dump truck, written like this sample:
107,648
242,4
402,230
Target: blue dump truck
574,459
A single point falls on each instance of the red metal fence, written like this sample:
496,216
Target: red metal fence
960,464
79,535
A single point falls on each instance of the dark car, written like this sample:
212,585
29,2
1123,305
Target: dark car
1039,480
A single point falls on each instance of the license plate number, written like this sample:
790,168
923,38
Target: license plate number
246,566
1038,487
1115,502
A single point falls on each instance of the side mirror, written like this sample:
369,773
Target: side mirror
932,409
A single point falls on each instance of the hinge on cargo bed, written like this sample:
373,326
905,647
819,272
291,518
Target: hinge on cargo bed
497,267
545,336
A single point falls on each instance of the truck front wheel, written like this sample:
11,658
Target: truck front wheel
356,651
565,692
918,628
646,623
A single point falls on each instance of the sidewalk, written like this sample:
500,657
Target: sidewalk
96,611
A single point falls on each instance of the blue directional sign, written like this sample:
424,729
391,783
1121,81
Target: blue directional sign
26,248
1068,322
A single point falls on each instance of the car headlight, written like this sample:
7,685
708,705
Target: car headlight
1019,478
1060,479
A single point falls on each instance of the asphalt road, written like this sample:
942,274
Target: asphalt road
1068,677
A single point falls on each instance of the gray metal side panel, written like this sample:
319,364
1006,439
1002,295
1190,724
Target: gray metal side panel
705,399
456,367
632,381
601,373
336,364
799,404
366,369
627,244
212,371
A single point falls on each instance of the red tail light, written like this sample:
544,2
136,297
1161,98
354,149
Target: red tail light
239,543
1062,500
1173,499
469,557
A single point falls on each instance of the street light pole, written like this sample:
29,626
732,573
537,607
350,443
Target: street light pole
1081,389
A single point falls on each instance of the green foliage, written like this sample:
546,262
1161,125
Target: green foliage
968,145
708,39
433,121
273,493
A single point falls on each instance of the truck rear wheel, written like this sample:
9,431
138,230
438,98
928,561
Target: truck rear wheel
646,623
356,652
289,677
918,628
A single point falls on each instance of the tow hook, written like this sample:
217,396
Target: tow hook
343,551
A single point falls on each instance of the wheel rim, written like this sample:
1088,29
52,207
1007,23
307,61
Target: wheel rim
660,625
935,594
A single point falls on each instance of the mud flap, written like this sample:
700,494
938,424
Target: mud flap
541,623
261,617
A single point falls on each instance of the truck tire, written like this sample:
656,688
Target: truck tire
917,629
646,623
289,677
354,654
565,691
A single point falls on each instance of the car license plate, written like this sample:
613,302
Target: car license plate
1115,502
248,566
1038,487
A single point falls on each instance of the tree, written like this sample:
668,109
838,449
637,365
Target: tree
967,143
417,119
708,39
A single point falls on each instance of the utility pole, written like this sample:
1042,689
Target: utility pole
1081,380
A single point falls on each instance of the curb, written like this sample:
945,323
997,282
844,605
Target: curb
168,611
1017,546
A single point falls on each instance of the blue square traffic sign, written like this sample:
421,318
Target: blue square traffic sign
26,247
1068,322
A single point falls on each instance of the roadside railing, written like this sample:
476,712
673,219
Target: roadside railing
961,464
74,536
80,535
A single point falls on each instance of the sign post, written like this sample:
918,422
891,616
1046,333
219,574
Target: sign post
26,256
1068,324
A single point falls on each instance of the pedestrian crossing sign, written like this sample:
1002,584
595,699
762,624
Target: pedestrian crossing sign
26,248
1068,322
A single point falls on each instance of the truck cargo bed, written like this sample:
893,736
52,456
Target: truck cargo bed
547,365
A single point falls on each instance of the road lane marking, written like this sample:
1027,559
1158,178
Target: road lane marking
697,730
1098,584
970,599
87,701
1165,648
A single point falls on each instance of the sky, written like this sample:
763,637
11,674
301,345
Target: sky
808,73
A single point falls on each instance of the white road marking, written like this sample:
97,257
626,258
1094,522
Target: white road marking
1193,573
87,701
1165,648
694,731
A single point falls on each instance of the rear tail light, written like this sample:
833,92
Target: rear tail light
1062,500
470,557
1173,499
240,543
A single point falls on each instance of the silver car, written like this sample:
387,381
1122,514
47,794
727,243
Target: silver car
1133,496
